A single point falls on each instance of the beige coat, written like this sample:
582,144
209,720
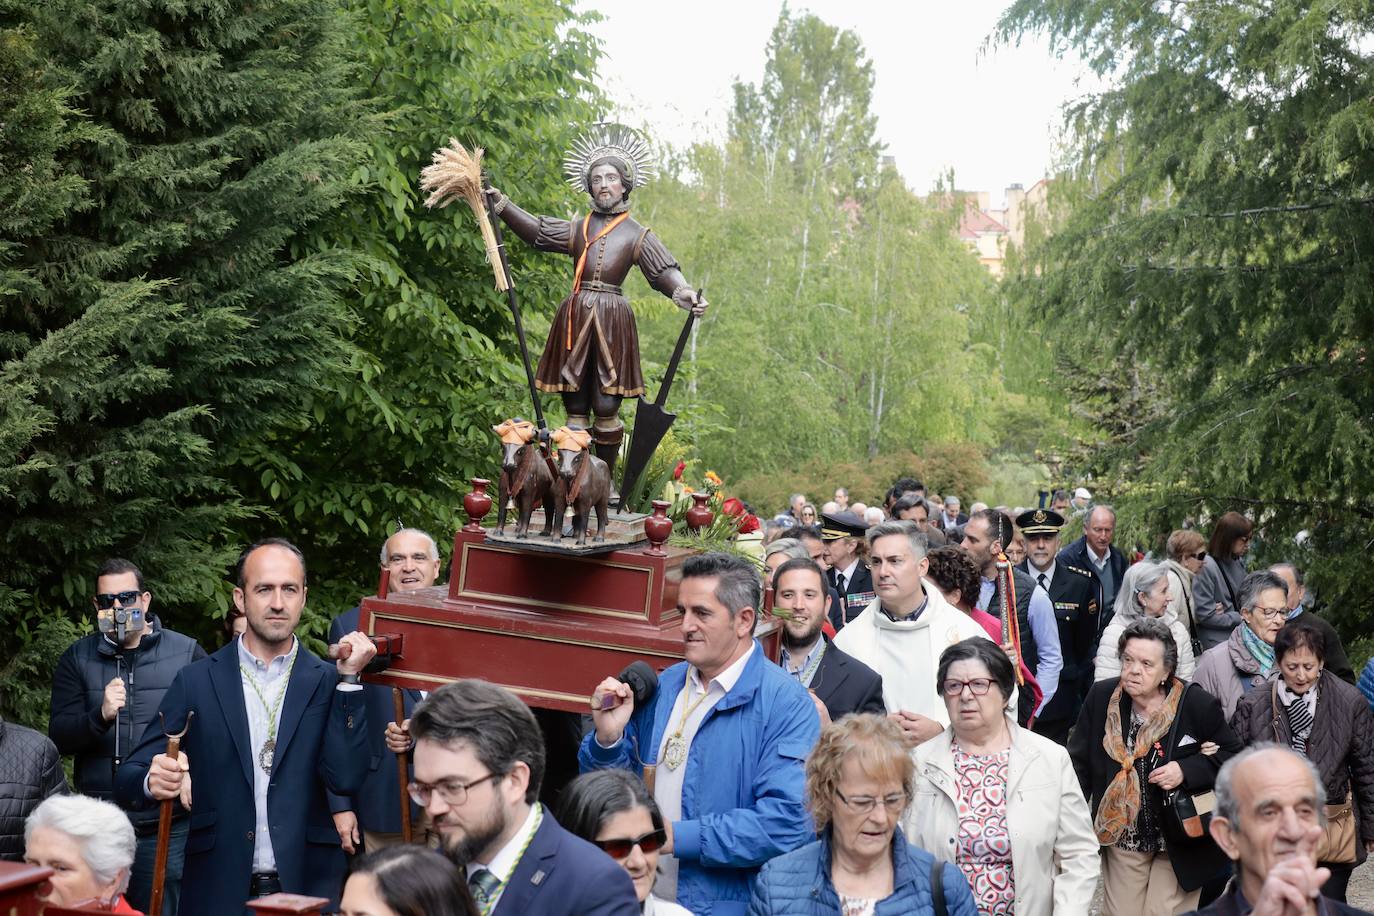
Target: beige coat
1054,851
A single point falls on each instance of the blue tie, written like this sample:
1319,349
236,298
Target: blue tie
484,885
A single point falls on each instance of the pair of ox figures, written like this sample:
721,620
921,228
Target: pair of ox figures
531,479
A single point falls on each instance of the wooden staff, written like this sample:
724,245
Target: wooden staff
164,820
402,764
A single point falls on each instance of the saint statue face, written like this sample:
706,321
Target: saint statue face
606,186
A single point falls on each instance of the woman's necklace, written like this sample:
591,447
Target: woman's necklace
675,752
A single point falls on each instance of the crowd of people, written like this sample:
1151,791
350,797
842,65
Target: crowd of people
966,716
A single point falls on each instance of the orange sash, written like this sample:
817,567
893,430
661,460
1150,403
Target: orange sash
582,259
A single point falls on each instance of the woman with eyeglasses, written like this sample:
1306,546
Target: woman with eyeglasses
1138,737
858,783
1216,588
406,881
613,810
1246,659
998,800
1306,707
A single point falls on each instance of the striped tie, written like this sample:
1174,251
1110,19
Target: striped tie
484,886
1299,724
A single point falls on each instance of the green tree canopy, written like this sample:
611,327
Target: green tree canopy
1220,239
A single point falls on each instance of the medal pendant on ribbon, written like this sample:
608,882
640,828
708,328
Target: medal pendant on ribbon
269,747
675,752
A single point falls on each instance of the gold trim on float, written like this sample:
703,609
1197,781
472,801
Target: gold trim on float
513,635
464,592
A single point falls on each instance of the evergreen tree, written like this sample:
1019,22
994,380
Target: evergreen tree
1221,238
164,316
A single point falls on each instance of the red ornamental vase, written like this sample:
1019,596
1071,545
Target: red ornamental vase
657,527
699,516
477,504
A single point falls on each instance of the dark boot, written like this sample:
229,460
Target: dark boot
606,446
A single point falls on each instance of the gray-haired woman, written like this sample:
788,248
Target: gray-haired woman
89,845
1144,592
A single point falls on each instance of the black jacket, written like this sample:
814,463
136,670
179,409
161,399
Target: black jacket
858,591
1076,554
1199,718
1340,745
845,684
1074,593
78,689
30,771
1233,903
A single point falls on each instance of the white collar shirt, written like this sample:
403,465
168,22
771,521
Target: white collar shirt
668,782
503,864
272,682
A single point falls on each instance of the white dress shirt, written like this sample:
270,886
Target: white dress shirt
272,681
503,864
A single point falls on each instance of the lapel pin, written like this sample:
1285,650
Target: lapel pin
537,878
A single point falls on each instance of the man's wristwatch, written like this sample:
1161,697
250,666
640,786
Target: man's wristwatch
350,679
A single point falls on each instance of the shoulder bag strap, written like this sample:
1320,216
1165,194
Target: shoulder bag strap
1188,601
1169,744
937,888
1274,706
1235,605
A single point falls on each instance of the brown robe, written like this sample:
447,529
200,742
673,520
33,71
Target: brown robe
596,322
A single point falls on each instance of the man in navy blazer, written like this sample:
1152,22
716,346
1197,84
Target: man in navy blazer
839,682
274,726
373,813
479,760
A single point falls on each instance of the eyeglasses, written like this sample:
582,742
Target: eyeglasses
452,791
979,686
863,804
105,600
1270,613
396,559
652,841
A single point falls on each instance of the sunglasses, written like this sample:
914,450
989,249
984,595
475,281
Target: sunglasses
105,600
618,849
1200,555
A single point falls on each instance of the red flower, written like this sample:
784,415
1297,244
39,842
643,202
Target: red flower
749,523
677,471
733,507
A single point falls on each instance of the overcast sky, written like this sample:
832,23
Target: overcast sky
941,101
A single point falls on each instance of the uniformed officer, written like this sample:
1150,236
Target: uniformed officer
842,534
1073,592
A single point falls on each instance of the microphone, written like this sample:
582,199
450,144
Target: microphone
641,680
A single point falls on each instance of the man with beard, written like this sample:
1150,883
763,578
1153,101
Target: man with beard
985,534
723,743
411,559
479,759
591,357
838,683
1073,593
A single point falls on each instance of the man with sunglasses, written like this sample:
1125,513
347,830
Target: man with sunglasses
105,693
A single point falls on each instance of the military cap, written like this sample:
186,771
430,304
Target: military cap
1039,521
836,525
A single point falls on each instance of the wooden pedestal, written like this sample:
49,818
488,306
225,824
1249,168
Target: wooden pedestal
545,625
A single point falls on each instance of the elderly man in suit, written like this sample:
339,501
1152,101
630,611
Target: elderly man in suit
843,536
373,814
275,727
1095,552
839,683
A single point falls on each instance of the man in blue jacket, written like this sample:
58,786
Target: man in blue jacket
274,728
722,746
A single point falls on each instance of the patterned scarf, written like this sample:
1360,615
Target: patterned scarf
1259,650
1120,805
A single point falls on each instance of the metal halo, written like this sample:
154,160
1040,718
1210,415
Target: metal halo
610,140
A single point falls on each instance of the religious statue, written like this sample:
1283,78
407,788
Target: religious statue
592,355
